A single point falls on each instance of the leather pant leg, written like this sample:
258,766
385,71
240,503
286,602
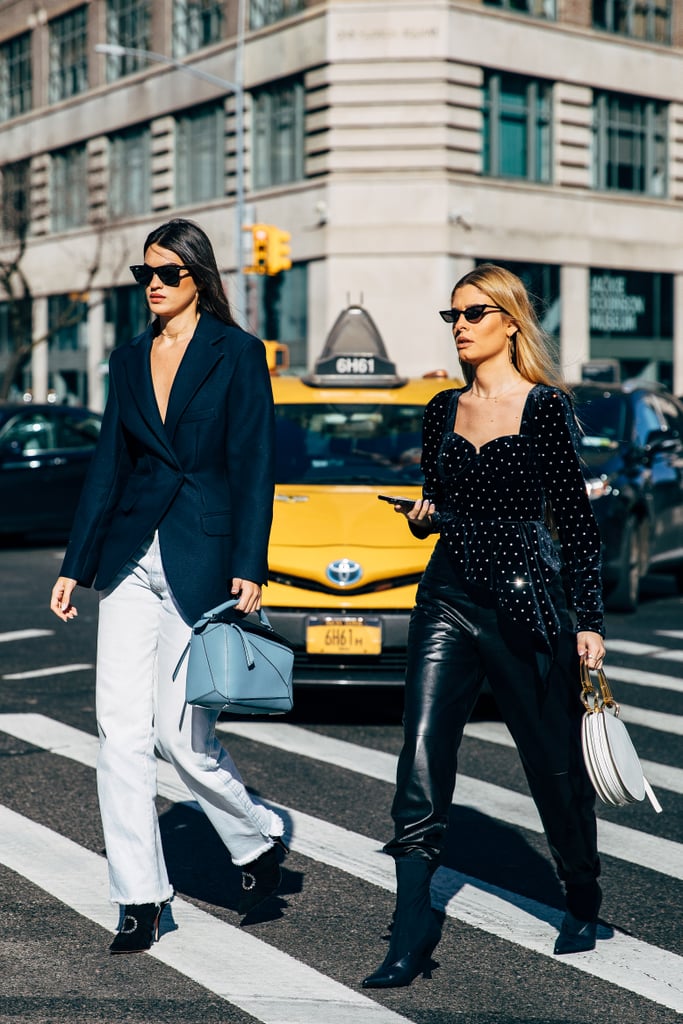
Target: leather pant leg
456,637
544,718
443,677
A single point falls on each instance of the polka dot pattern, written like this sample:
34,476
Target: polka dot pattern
493,505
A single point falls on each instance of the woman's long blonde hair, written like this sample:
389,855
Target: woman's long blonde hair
531,351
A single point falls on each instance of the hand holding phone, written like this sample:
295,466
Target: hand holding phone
406,504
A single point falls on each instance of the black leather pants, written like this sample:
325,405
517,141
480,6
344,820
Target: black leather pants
456,638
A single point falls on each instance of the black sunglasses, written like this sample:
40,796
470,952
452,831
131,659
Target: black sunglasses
473,314
169,274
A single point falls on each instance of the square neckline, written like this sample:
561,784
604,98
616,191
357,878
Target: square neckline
453,415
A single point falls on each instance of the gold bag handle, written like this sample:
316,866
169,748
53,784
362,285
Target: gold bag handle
592,701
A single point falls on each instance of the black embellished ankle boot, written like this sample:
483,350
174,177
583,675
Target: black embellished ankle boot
261,877
139,928
415,932
579,925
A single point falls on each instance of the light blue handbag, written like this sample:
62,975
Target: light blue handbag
238,666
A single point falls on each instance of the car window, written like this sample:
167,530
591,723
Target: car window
646,418
346,444
672,413
602,417
32,433
77,433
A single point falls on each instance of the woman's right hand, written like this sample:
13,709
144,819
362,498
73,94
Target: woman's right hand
419,515
60,601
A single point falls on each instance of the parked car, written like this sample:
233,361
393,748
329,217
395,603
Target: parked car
632,445
44,456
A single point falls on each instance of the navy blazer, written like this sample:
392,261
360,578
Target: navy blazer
204,478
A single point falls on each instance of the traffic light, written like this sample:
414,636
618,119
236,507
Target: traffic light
259,248
278,250
269,249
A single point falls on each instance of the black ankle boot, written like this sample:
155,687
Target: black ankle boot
139,928
579,925
415,931
261,877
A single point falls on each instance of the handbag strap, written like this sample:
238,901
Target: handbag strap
593,701
213,612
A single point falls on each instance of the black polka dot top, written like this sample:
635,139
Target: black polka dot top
492,506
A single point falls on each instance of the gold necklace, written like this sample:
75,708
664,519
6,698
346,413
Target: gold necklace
494,398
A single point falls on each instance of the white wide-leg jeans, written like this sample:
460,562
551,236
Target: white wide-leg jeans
141,636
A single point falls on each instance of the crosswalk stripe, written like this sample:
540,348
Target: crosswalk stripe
664,776
55,670
675,634
652,852
24,634
629,963
660,721
638,677
633,647
270,985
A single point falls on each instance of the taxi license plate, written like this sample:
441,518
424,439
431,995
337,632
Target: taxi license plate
343,635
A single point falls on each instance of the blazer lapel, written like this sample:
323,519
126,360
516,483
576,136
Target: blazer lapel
198,362
139,376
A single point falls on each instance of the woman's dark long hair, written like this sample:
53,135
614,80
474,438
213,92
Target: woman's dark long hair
187,240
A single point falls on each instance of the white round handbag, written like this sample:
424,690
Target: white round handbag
611,760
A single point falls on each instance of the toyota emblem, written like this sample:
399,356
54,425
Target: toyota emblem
344,572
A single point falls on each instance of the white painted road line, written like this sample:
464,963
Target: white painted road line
638,677
626,962
664,776
272,986
56,670
676,634
659,721
652,852
633,647
24,634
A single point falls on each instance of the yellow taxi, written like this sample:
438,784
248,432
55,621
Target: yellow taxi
344,566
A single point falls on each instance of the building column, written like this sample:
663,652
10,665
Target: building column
677,354
574,321
40,351
95,356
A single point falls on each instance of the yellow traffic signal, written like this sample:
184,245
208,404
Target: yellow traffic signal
269,249
259,248
278,250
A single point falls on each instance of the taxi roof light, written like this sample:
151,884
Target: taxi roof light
354,355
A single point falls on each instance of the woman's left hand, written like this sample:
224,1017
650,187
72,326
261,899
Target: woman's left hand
591,648
250,595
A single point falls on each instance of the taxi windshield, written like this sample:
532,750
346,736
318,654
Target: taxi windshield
348,444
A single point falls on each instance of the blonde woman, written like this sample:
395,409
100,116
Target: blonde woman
499,455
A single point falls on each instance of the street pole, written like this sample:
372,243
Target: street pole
237,89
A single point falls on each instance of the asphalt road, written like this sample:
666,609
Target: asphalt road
329,765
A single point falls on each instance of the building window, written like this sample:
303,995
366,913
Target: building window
69,188
641,19
128,24
127,312
196,23
282,304
265,12
200,154
278,129
517,127
629,144
66,323
15,77
68,54
130,190
14,203
537,8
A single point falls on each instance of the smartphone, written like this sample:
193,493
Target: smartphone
406,503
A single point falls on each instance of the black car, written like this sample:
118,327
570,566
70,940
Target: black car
632,447
44,456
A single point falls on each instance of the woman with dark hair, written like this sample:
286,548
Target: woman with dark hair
498,456
175,515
